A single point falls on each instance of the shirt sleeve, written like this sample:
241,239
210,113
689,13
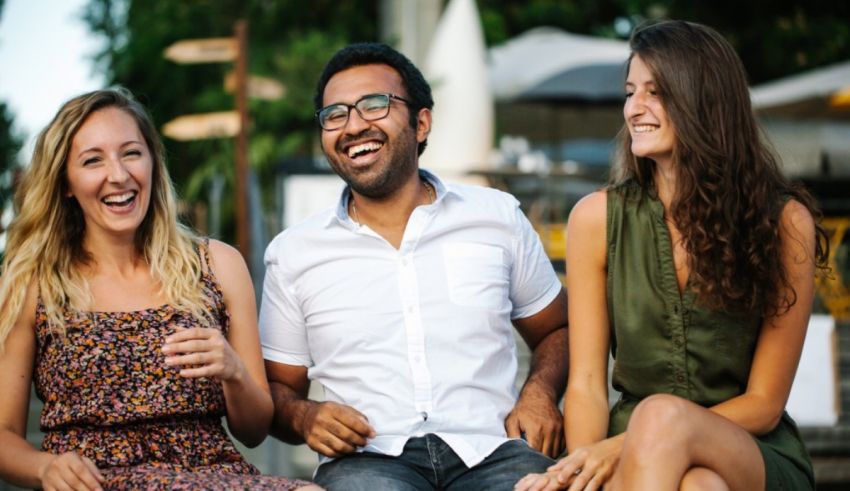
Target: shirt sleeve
283,331
534,284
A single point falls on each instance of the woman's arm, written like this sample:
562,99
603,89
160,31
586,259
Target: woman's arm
591,454
236,361
249,401
780,341
20,463
586,402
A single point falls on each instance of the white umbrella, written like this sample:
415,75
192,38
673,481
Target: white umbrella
817,94
599,83
462,132
548,54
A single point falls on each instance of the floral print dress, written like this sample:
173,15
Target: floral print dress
109,395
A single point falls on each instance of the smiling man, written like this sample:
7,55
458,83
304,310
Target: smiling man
401,302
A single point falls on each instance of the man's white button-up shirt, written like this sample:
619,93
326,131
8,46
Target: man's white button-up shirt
419,339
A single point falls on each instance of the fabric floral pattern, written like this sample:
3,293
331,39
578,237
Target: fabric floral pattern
109,395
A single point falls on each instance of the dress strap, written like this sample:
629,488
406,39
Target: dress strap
203,251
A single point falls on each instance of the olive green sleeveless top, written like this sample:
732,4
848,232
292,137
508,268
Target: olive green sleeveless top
664,342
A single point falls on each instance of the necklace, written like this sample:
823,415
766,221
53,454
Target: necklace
429,188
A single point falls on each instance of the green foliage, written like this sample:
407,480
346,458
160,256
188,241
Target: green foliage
10,145
10,141
289,41
777,39
774,38
504,19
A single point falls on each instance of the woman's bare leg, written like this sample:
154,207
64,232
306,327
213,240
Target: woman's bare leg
668,436
702,479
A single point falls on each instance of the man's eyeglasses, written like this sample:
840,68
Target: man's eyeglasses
370,107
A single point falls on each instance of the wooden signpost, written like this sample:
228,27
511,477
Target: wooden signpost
211,50
225,124
258,87
229,123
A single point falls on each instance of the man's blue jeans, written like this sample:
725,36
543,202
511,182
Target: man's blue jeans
428,464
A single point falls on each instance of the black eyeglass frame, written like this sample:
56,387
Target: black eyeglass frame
349,107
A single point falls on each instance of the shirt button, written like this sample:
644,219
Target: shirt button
411,309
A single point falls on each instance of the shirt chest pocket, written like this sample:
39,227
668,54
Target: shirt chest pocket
477,274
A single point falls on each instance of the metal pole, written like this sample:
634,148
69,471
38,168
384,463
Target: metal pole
243,238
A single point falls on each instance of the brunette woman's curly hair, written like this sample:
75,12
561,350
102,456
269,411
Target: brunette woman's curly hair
730,189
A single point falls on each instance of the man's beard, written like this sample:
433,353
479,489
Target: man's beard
397,166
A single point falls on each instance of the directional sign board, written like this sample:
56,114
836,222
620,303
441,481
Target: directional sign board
258,87
201,126
210,50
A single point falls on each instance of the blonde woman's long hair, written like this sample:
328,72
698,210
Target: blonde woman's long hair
45,239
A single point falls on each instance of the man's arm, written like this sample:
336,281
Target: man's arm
328,428
536,412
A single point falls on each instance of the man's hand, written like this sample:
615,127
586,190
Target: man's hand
334,430
536,412
536,415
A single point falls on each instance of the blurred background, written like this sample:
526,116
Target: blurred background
528,99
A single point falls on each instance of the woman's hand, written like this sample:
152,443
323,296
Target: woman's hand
70,471
202,352
547,481
585,468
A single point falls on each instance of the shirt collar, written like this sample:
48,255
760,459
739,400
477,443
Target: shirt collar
341,217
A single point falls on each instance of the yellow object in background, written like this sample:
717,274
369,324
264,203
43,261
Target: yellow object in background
832,288
840,99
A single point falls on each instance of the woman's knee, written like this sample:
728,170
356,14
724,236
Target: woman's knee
660,414
702,479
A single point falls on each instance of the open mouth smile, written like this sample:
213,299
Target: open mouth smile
644,128
358,150
119,200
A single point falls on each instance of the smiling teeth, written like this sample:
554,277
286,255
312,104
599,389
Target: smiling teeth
119,198
364,147
644,128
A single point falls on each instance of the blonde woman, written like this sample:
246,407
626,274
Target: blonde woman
137,334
